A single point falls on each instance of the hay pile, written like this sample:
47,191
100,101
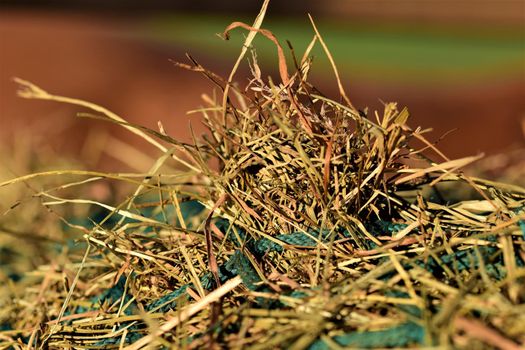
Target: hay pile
299,222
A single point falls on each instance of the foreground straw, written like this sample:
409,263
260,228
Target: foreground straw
320,227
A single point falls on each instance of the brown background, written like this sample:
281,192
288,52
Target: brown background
95,56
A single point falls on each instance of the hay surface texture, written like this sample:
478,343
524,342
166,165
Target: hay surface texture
297,222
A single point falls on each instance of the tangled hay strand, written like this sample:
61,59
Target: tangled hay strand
321,227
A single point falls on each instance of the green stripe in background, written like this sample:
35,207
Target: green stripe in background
431,53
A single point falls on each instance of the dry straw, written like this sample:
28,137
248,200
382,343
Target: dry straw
316,226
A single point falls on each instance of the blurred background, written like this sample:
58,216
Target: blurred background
459,66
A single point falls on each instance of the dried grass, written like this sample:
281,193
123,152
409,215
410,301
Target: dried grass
321,227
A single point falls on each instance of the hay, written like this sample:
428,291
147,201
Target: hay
298,222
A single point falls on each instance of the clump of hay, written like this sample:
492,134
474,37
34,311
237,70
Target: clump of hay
317,226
